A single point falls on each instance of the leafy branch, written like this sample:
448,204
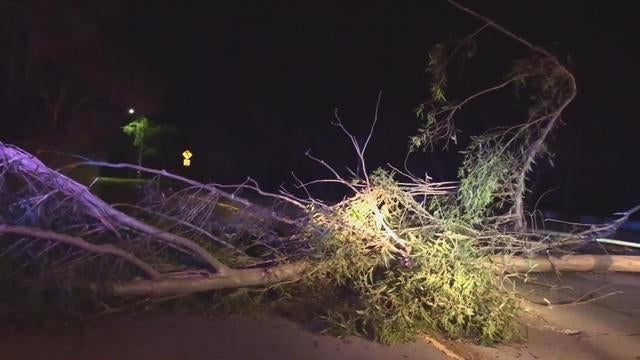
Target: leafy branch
494,171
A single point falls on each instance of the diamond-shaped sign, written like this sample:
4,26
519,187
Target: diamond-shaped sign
187,158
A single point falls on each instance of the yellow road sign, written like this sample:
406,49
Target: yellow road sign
187,158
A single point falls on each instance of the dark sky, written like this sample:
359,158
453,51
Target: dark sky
252,85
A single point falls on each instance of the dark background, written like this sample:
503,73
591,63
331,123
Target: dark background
251,86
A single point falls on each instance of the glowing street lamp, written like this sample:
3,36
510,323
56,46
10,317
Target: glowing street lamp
131,111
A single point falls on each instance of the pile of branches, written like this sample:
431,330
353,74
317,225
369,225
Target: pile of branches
404,255
59,226
400,254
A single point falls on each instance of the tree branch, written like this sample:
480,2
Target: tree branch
81,243
233,279
214,190
534,149
494,25
94,206
507,264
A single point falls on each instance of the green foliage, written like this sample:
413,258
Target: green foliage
543,78
494,171
436,66
436,124
486,177
143,132
137,128
430,128
437,281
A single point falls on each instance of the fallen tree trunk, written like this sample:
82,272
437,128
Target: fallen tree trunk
232,279
293,271
160,285
538,264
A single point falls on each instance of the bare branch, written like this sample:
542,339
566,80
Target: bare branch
492,24
335,173
375,120
181,222
214,190
27,164
81,243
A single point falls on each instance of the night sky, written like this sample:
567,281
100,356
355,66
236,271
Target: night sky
251,86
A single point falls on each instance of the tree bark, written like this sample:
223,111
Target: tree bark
583,263
293,271
233,279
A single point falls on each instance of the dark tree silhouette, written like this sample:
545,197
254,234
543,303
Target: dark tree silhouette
62,77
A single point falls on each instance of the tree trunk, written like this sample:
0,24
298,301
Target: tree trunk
233,279
293,271
540,264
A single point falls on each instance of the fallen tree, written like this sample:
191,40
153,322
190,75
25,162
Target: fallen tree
295,271
406,254
381,226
